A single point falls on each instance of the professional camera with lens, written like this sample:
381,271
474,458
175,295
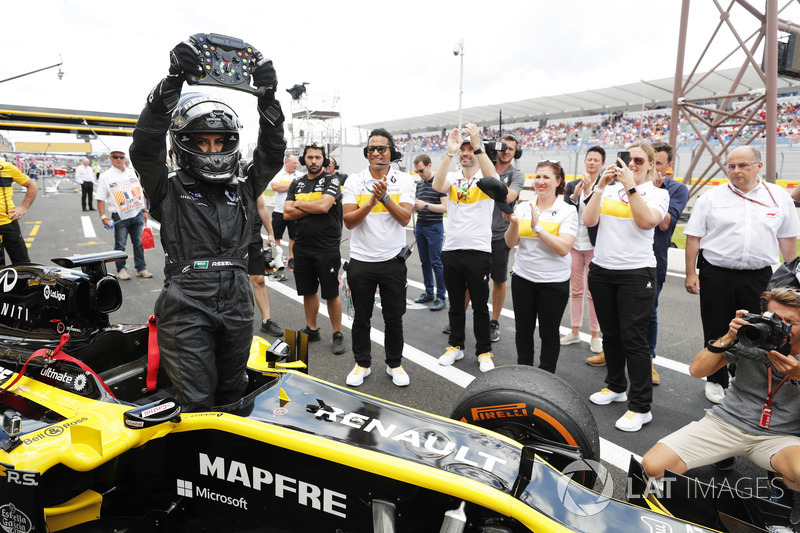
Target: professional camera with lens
492,147
765,331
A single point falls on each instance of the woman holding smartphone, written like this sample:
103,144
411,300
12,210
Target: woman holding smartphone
544,228
622,277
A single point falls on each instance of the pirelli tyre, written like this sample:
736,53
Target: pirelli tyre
533,407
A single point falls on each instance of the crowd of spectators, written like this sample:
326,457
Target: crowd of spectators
615,129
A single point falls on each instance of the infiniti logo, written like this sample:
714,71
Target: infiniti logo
7,280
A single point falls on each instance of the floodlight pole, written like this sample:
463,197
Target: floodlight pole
460,51
60,74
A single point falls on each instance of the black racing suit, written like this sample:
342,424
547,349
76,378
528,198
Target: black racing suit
205,310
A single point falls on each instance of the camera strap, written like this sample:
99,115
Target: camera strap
766,409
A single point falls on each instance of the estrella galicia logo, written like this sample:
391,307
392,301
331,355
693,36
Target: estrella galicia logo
13,520
591,506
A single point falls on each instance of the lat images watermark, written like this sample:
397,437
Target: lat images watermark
746,488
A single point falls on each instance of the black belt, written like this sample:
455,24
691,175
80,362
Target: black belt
205,265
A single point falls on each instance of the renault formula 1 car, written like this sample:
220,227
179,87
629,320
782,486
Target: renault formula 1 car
92,441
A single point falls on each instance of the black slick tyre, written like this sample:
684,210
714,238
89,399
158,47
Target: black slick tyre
532,406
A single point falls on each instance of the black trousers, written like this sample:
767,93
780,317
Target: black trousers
463,270
623,300
722,292
546,301
14,243
87,189
364,278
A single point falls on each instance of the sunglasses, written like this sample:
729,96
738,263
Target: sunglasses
380,149
551,161
638,160
740,166
117,157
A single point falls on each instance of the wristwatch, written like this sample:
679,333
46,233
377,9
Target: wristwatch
385,199
538,229
479,151
632,190
719,349
426,206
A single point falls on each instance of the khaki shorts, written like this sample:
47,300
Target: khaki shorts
710,440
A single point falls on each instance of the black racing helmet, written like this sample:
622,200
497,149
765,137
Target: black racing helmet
199,113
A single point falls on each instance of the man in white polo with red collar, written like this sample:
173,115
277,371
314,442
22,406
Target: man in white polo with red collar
376,206
733,236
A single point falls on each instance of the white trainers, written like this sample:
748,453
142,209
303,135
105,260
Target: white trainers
714,392
633,421
485,361
451,355
399,376
596,345
123,274
569,338
357,375
144,274
607,396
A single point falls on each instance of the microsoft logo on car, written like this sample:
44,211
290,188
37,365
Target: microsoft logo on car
185,488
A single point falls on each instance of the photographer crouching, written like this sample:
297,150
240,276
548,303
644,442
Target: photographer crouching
759,418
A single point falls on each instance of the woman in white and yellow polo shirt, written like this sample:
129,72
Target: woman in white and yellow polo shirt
544,228
622,278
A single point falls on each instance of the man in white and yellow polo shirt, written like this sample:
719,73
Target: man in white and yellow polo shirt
467,250
376,206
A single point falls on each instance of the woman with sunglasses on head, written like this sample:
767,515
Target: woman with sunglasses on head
622,278
544,228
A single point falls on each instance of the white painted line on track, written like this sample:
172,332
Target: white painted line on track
88,228
611,453
677,366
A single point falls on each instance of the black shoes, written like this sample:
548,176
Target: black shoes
337,347
438,304
313,334
271,328
494,330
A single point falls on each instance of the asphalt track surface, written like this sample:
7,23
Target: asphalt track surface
56,226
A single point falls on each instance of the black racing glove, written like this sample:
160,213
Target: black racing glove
185,59
264,75
164,97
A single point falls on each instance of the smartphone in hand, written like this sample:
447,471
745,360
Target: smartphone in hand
625,156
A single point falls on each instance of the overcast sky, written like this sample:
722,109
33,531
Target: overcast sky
385,60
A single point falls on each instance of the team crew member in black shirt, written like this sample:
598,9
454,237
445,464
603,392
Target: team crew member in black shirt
314,201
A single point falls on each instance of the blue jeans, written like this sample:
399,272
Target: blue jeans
652,327
429,244
134,227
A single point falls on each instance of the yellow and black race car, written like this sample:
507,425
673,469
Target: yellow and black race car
93,442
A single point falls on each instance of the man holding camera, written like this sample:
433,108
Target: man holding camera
514,179
758,418
733,235
467,250
376,206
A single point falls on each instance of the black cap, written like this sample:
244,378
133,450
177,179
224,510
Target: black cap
497,191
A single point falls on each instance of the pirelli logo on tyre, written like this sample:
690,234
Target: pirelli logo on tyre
491,412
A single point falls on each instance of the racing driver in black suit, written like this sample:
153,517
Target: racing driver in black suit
206,208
